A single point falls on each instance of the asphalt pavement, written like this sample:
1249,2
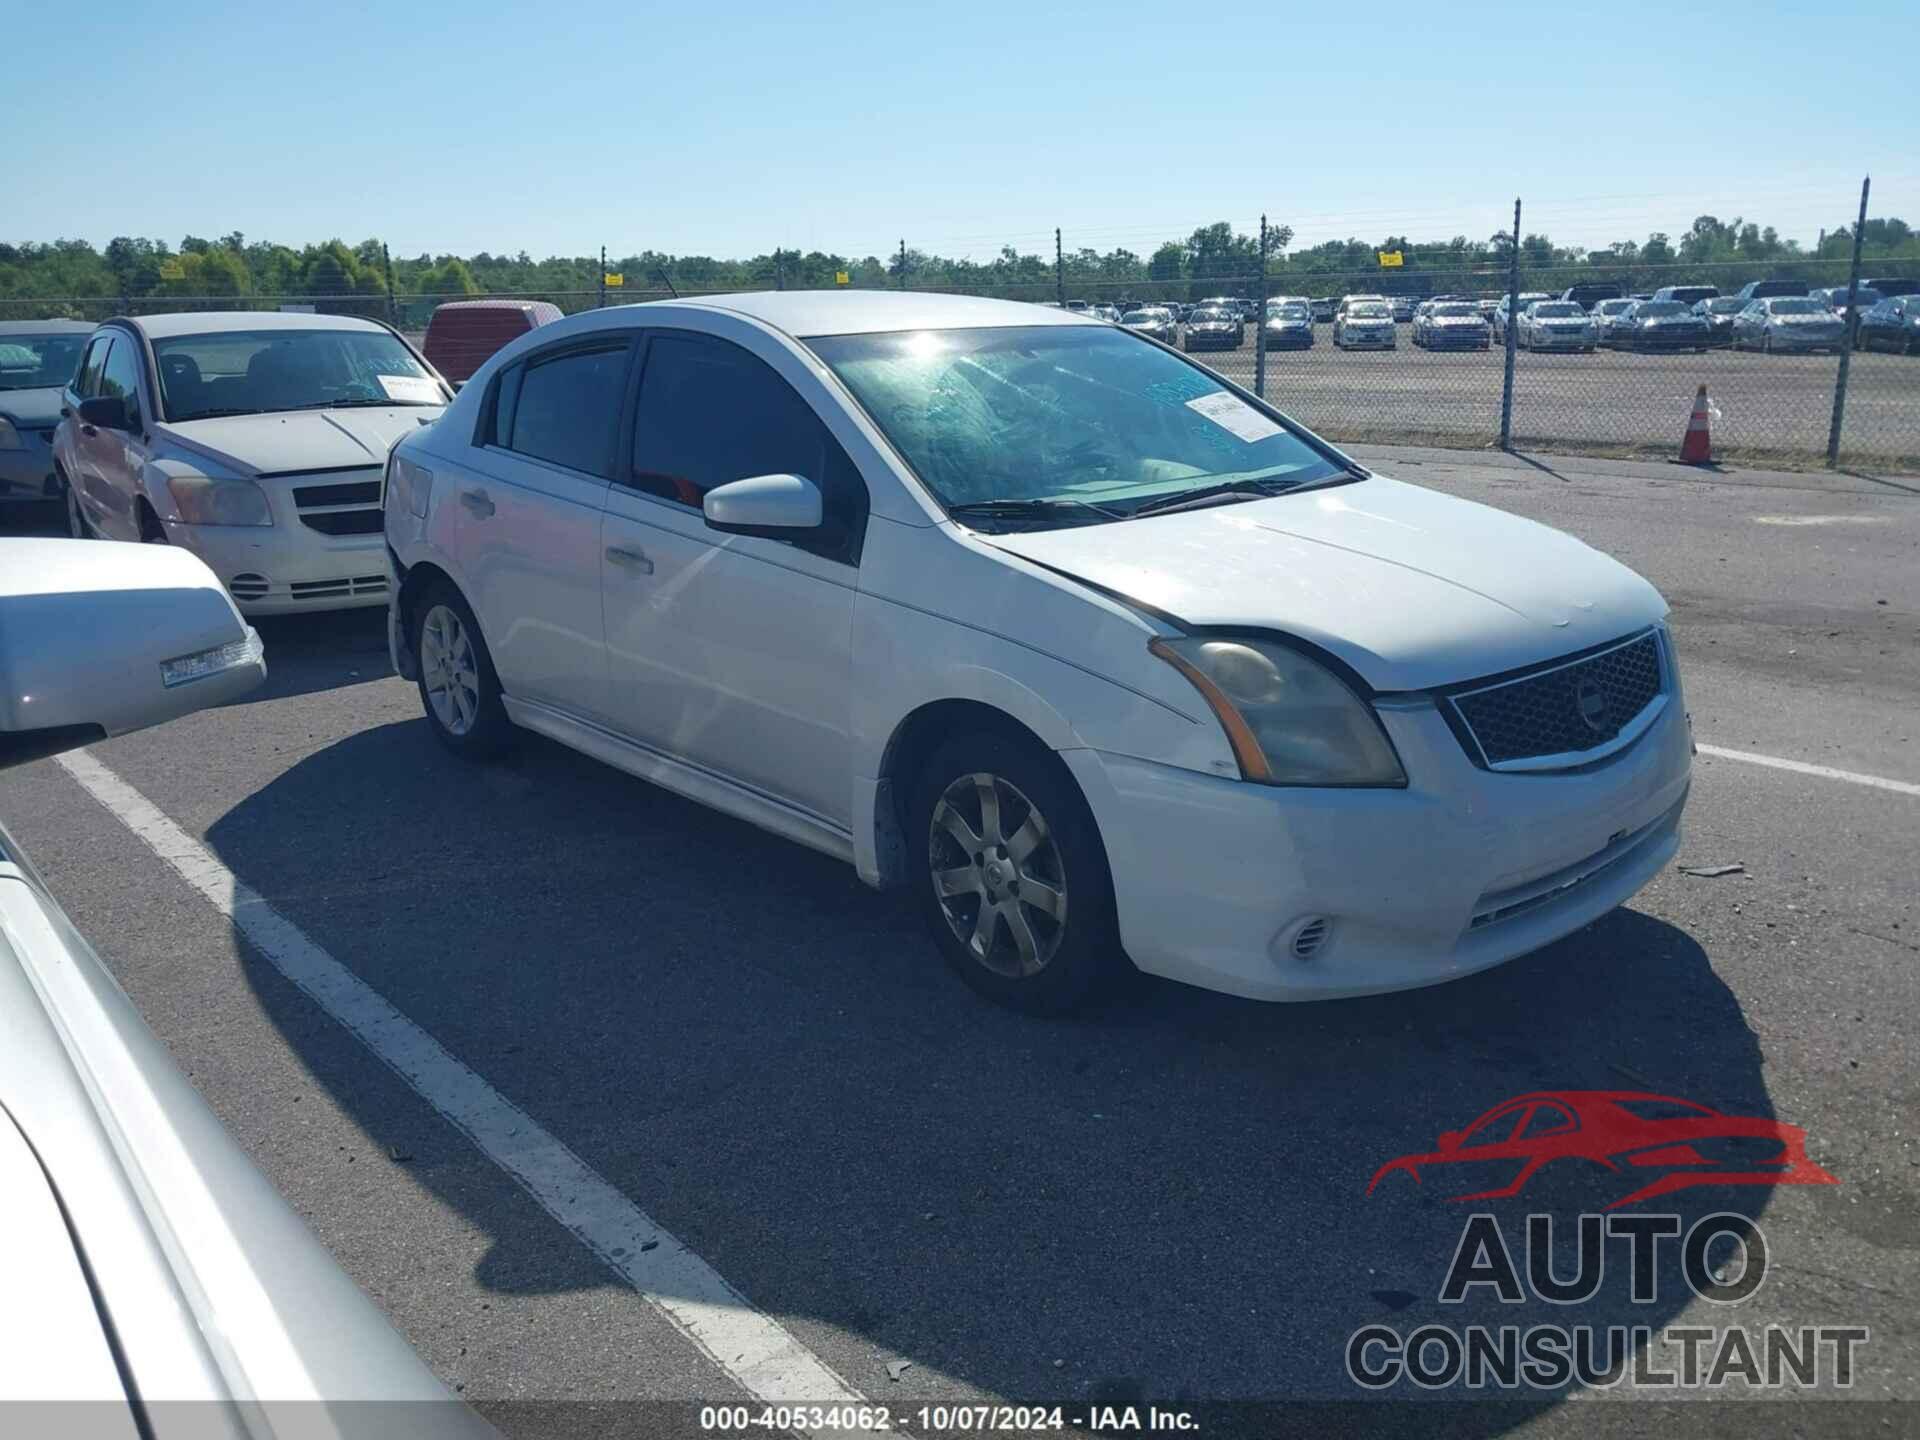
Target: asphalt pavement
1163,1201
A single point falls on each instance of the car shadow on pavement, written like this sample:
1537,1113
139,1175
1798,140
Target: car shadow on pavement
1166,1198
322,651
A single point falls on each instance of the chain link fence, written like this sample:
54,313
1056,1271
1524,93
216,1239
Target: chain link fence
1767,407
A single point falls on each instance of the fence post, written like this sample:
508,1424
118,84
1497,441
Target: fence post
393,308
903,262
1059,270
1513,303
1846,343
1260,320
601,303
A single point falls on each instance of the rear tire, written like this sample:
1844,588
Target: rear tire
458,687
1011,874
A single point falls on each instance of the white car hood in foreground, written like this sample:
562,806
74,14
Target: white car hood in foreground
1412,588
300,439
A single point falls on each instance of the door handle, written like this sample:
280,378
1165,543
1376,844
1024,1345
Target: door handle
477,502
630,559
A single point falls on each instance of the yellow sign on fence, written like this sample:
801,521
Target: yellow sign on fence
840,277
614,279
1391,259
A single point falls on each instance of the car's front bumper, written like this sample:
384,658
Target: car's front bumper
1368,339
289,569
1665,339
1210,340
1786,340
1463,869
1456,338
1570,340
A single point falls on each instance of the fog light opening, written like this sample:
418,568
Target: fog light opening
1305,938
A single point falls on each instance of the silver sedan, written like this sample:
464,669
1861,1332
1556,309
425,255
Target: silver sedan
1788,324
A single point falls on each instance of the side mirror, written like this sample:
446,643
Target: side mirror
775,506
1450,1140
98,638
104,412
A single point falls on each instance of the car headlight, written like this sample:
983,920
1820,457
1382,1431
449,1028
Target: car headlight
204,500
409,486
10,437
1289,720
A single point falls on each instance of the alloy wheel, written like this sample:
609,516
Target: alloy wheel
447,669
997,873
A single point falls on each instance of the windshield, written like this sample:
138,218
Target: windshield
1371,311
1611,307
1455,312
1728,305
1651,309
1291,311
1798,307
1205,315
1558,310
1078,417
1145,317
39,362
252,372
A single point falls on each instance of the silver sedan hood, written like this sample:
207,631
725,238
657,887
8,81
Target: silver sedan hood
1412,588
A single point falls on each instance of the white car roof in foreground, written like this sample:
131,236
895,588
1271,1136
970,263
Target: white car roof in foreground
213,322
808,313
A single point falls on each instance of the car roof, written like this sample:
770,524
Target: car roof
808,313
213,322
46,327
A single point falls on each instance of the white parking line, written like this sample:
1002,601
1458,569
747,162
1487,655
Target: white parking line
1825,772
757,1351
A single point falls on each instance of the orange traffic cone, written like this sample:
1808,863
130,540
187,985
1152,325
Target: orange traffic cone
1697,447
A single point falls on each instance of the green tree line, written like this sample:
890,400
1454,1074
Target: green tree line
71,276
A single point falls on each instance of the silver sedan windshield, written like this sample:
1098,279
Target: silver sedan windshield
1061,413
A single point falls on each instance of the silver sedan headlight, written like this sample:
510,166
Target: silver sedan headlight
1288,719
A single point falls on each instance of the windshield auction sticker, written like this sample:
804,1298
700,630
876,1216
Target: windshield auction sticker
1598,1247
1234,415
411,389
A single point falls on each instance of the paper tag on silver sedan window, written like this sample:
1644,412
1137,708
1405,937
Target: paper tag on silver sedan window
1234,415
414,389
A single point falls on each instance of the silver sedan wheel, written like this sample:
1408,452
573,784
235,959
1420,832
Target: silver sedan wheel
996,871
447,667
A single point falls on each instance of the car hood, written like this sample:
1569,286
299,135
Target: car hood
31,409
1412,588
300,439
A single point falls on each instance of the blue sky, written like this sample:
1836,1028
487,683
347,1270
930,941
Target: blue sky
844,127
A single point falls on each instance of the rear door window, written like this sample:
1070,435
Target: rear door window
565,409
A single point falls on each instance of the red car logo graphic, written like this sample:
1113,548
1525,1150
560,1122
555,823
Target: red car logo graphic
1626,1132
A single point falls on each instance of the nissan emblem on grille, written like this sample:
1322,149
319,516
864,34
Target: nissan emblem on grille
1566,708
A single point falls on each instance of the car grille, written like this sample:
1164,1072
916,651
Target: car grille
343,589
348,508
1562,713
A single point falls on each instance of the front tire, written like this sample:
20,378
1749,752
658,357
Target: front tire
1011,874
458,687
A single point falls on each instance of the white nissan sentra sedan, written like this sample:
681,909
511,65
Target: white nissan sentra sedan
252,438
1100,656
